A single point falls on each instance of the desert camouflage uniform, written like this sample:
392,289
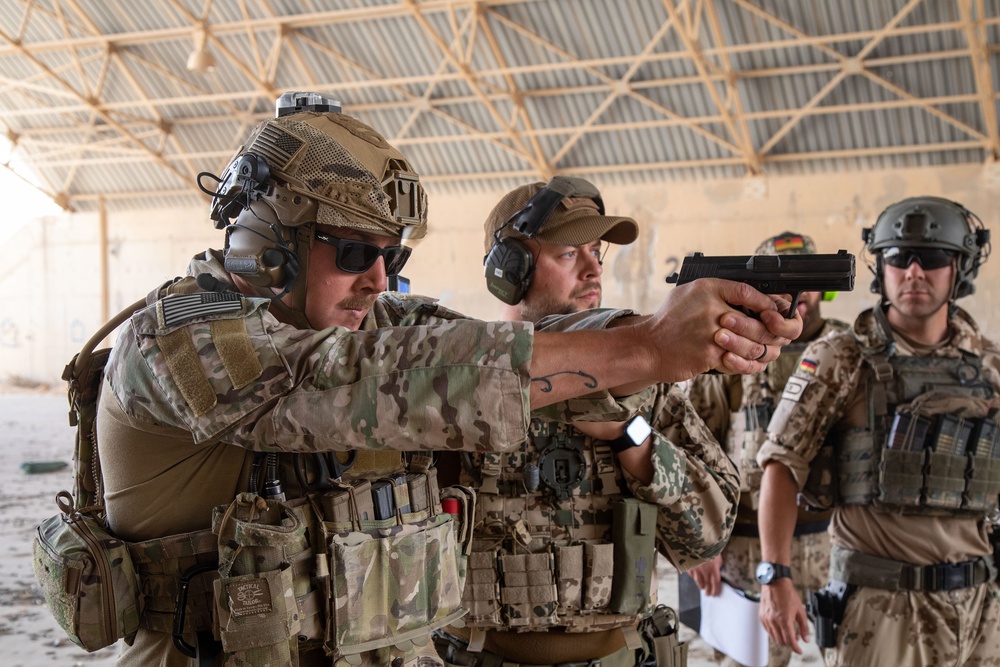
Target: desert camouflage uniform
883,627
736,409
186,405
694,491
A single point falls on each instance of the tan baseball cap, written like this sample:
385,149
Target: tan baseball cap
576,220
787,243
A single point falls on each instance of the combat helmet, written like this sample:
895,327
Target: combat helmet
930,222
309,165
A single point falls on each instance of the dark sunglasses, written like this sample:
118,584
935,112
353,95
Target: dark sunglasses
355,256
928,258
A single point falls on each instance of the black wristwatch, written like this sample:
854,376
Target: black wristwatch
767,572
636,432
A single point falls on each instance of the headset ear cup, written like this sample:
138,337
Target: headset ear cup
509,267
255,251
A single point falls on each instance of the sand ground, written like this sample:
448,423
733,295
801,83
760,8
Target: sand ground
34,427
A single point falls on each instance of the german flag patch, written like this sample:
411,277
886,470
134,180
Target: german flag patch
788,243
808,366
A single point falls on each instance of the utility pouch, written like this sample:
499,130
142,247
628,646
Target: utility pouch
410,569
347,505
266,599
598,575
901,477
569,576
87,577
945,480
528,590
661,631
826,609
481,595
983,485
633,531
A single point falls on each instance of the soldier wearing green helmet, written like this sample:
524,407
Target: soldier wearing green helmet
894,425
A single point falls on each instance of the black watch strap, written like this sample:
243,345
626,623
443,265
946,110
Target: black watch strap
636,431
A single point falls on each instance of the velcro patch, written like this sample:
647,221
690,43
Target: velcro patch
794,388
808,366
248,597
178,308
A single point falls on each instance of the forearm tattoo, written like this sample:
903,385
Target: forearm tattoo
589,381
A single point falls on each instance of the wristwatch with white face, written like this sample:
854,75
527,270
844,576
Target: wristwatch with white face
768,572
636,432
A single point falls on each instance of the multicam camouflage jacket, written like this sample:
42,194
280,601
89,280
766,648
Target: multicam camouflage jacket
205,376
199,383
545,511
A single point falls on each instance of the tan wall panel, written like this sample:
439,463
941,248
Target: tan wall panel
52,300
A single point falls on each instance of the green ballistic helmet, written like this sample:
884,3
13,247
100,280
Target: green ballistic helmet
931,222
310,165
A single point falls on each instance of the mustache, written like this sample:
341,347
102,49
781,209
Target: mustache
586,288
359,302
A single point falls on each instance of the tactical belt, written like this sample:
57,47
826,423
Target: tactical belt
854,567
551,648
535,650
751,530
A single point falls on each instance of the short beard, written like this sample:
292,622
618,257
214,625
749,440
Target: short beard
534,309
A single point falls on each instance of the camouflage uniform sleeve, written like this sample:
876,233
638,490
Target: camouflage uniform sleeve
596,318
811,403
447,385
713,398
601,405
694,483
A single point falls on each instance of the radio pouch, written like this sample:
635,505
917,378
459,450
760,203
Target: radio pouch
633,532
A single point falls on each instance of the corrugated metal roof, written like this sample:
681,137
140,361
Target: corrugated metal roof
99,102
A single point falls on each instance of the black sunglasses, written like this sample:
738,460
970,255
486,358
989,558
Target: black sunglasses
928,258
355,256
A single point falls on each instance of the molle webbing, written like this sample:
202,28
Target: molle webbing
160,564
909,456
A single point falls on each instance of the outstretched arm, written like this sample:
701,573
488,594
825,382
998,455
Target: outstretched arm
696,329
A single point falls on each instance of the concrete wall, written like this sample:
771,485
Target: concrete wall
51,295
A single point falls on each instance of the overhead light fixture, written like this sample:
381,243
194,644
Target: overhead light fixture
201,59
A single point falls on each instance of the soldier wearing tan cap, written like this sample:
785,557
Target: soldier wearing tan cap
568,524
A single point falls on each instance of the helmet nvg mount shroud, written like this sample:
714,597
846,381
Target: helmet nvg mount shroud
309,165
931,222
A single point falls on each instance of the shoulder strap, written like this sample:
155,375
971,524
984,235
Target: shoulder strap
84,374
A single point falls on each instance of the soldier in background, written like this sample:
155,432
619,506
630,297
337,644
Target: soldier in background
737,409
894,423
235,380
563,559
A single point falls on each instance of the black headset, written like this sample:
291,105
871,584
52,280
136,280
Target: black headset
255,247
509,263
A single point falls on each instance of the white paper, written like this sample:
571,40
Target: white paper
730,623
